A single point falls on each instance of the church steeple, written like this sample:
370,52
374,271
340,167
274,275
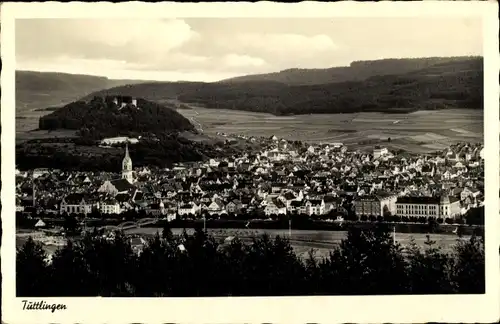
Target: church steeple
127,166
126,151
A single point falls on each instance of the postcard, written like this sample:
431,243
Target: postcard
250,162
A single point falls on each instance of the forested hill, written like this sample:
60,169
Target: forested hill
155,91
390,93
102,117
43,89
362,70
447,83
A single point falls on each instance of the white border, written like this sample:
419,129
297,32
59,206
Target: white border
404,309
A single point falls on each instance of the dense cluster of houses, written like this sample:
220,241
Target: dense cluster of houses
285,177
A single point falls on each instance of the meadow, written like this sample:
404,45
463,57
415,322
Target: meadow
303,241
418,132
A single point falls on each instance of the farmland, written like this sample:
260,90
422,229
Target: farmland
417,132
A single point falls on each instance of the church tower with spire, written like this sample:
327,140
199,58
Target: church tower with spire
127,172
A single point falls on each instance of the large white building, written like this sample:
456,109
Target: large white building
376,205
117,140
437,207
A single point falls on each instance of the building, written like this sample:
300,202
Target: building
122,101
75,204
234,207
376,205
331,203
187,209
315,207
40,172
110,206
156,209
449,207
275,155
116,187
276,207
118,140
437,207
127,172
216,208
379,152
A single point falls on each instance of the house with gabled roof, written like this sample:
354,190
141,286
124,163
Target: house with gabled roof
76,203
276,207
115,187
315,207
216,207
235,206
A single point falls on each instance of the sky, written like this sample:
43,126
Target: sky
211,49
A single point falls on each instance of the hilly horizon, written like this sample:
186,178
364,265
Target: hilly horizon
386,84
427,83
356,71
36,90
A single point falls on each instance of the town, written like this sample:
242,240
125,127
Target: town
321,181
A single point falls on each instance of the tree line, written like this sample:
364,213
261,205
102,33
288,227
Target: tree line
366,262
385,93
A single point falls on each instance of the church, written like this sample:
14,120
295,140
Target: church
127,172
125,183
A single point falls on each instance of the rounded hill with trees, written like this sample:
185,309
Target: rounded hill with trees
113,116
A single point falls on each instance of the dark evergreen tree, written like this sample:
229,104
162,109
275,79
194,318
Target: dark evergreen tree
31,270
469,268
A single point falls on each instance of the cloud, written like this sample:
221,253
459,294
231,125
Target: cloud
235,60
122,39
116,69
278,51
70,64
177,61
222,46
283,43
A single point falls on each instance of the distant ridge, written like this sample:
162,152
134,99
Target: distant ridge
356,71
377,86
44,89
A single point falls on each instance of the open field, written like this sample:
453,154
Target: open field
302,240
305,240
27,125
418,132
23,136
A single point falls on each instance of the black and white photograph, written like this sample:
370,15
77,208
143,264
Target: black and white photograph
247,156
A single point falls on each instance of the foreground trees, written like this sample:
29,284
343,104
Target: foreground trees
366,262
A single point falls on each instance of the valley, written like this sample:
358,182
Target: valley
417,132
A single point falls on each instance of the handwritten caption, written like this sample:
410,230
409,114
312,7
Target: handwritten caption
42,305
